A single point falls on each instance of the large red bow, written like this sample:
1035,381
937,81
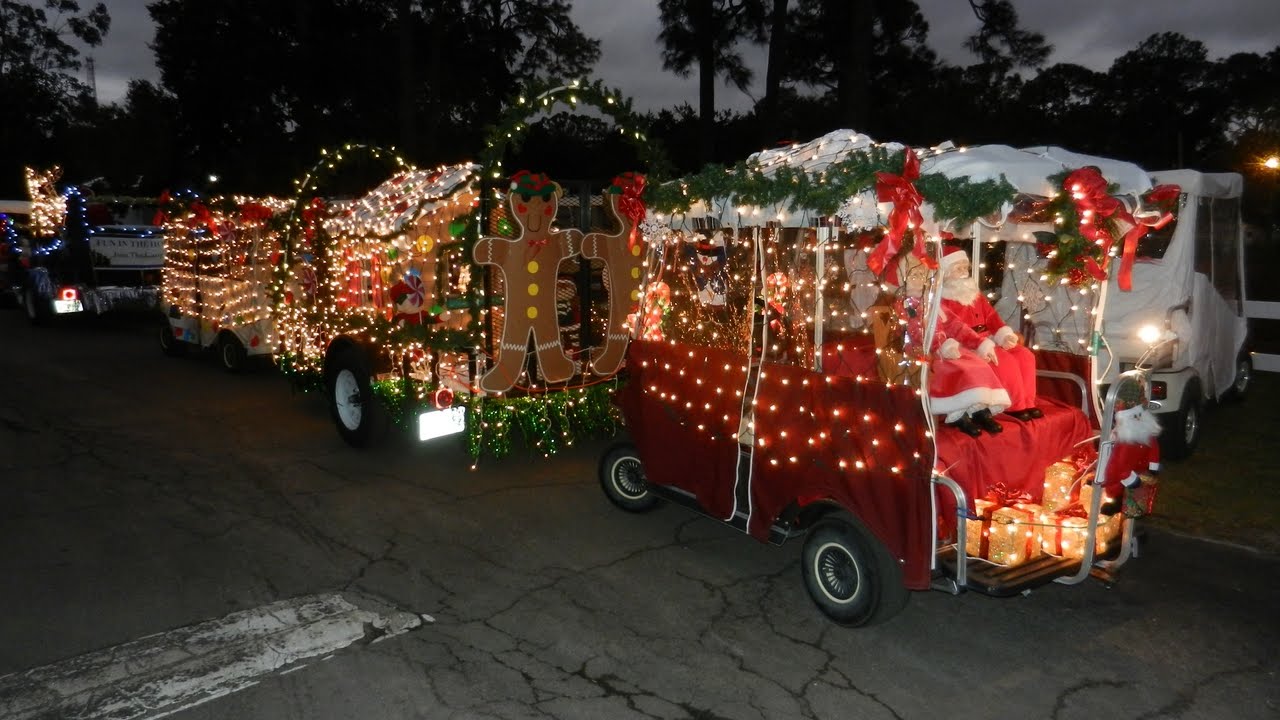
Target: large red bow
899,190
1093,206
1141,224
631,204
1005,496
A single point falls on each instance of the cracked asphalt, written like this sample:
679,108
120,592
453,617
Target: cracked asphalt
140,493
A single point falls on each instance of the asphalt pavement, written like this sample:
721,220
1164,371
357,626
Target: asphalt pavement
158,511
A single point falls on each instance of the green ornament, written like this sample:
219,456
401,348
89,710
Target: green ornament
393,252
505,227
457,227
436,310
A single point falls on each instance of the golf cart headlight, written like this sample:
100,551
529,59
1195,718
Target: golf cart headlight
1150,334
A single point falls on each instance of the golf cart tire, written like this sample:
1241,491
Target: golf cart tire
623,481
850,575
1181,432
38,310
1243,380
355,410
169,344
231,352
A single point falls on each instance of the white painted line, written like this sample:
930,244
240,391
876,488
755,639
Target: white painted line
168,672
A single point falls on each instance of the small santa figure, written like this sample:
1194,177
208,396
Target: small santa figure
1135,452
996,342
407,297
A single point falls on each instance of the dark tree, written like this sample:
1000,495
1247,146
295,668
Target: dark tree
41,96
706,34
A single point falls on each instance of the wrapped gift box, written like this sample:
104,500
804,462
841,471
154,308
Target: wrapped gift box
1059,485
1065,533
1005,535
1141,500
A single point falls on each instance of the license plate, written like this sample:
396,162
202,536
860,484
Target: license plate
67,306
437,423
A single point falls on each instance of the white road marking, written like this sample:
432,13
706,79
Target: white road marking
171,671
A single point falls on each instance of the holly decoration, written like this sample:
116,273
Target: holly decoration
1086,216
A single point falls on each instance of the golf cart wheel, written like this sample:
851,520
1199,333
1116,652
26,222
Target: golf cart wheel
1181,430
850,575
1244,378
622,478
38,309
231,352
355,411
170,344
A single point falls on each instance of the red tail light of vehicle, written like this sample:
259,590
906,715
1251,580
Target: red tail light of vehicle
68,293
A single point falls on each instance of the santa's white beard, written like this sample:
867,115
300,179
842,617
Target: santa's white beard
963,290
1137,426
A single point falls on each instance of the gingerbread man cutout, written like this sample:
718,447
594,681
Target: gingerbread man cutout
529,264
623,254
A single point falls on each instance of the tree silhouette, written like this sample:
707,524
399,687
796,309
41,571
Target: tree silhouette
705,34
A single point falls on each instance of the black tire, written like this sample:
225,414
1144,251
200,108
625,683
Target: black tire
38,309
231,352
850,575
1243,380
355,410
1181,430
170,345
623,481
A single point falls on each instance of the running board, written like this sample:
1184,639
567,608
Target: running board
778,534
1005,580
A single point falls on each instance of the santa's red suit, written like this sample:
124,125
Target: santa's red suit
1136,450
1014,366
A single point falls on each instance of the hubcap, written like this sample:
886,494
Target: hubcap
228,354
1191,427
1243,376
628,478
837,573
346,398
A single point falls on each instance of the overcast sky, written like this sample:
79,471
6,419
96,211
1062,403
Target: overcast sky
1088,32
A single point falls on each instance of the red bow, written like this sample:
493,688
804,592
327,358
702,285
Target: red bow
160,216
253,212
905,215
631,204
1157,195
1093,205
203,216
1005,496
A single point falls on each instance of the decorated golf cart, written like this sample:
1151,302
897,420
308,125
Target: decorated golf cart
807,360
466,298
218,259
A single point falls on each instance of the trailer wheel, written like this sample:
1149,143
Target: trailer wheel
622,478
850,575
38,309
1182,428
231,352
354,409
1244,378
169,344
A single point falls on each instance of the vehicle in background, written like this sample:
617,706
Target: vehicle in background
14,216
104,255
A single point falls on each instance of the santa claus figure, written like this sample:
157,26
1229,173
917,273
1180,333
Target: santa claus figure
962,386
990,338
1135,452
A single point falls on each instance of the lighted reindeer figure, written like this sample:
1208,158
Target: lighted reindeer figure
529,265
623,254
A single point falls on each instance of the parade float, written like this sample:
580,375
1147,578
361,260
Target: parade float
466,298
806,361
219,259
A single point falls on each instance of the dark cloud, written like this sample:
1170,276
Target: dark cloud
1087,32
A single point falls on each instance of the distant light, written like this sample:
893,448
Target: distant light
213,178
1272,162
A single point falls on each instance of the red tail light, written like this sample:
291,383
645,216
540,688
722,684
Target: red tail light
1159,390
68,293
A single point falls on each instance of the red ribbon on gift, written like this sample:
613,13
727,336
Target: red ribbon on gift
1129,250
631,204
1005,496
253,212
900,190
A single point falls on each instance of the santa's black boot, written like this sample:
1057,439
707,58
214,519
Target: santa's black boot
966,425
983,419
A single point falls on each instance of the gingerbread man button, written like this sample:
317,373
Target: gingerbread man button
623,254
529,264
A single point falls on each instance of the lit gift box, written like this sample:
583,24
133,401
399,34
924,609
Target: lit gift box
1059,485
1005,535
1065,533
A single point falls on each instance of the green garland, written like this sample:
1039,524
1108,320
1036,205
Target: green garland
957,199
548,423
1068,250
